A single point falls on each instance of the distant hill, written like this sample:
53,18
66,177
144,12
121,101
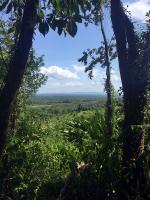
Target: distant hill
77,98
71,94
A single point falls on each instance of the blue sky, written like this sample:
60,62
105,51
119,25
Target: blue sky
65,74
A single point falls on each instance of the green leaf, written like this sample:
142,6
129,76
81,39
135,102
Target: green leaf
72,28
53,24
10,30
43,28
41,14
60,30
78,18
60,24
50,18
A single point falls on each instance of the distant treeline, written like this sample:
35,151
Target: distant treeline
66,98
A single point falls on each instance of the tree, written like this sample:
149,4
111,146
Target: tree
17,67
62,15
108,84
134,76
103,56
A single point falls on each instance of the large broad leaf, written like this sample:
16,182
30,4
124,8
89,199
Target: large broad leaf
41,14
72,28
60,29
78,18
43,28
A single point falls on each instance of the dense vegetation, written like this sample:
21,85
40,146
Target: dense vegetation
44,152
56,104
73,147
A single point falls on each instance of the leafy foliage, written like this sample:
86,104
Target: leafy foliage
93,57
36,154
41,154
56,14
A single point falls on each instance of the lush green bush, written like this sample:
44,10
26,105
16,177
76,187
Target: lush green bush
37,154
87,132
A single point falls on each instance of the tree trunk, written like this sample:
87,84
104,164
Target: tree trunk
17,67
134,88
108,86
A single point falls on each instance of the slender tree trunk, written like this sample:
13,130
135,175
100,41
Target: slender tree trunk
134,88
17,67
108,87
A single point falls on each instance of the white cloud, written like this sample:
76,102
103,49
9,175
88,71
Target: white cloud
74,79
78,69
139,8
59,72
74,83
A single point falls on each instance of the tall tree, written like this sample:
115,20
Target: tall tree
17,67
134,78
103,56
108,84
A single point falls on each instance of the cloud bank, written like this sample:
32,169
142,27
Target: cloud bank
58,72
74,79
